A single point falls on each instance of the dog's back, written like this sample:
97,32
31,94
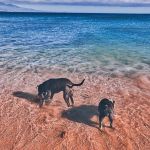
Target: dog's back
106,108
55,85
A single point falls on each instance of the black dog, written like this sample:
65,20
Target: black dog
106,108
52,86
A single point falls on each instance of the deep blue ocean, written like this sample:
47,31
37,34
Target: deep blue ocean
84,43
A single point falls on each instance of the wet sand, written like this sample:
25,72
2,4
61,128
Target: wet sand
25,126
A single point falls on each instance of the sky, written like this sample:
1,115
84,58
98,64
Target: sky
89,6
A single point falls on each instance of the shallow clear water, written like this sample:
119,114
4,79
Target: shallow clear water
84,43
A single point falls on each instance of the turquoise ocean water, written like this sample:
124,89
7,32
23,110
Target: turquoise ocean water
84,43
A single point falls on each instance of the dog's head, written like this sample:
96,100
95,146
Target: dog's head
109,108
40,90
113,102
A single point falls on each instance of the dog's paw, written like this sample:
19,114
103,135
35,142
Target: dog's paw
40,105
113,128
47,102
100,129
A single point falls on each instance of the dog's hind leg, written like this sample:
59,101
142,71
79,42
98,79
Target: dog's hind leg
110,119
66,98
70,93
72,101
100,121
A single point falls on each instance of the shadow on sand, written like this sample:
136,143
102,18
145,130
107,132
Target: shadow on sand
82,114
28,96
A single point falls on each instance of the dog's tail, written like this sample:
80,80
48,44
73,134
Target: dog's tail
74,84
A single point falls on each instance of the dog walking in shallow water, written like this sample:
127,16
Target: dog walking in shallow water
106,108
50,87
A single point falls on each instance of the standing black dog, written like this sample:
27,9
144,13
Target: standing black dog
52,86
106,108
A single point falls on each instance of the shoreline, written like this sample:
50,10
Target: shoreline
25,126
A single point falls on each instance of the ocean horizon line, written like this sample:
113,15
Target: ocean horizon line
96,13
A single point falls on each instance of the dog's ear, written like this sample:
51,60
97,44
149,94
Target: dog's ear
111,100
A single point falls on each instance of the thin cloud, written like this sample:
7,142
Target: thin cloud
83,2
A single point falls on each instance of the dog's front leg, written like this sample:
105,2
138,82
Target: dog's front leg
50,97
46,95
41,102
